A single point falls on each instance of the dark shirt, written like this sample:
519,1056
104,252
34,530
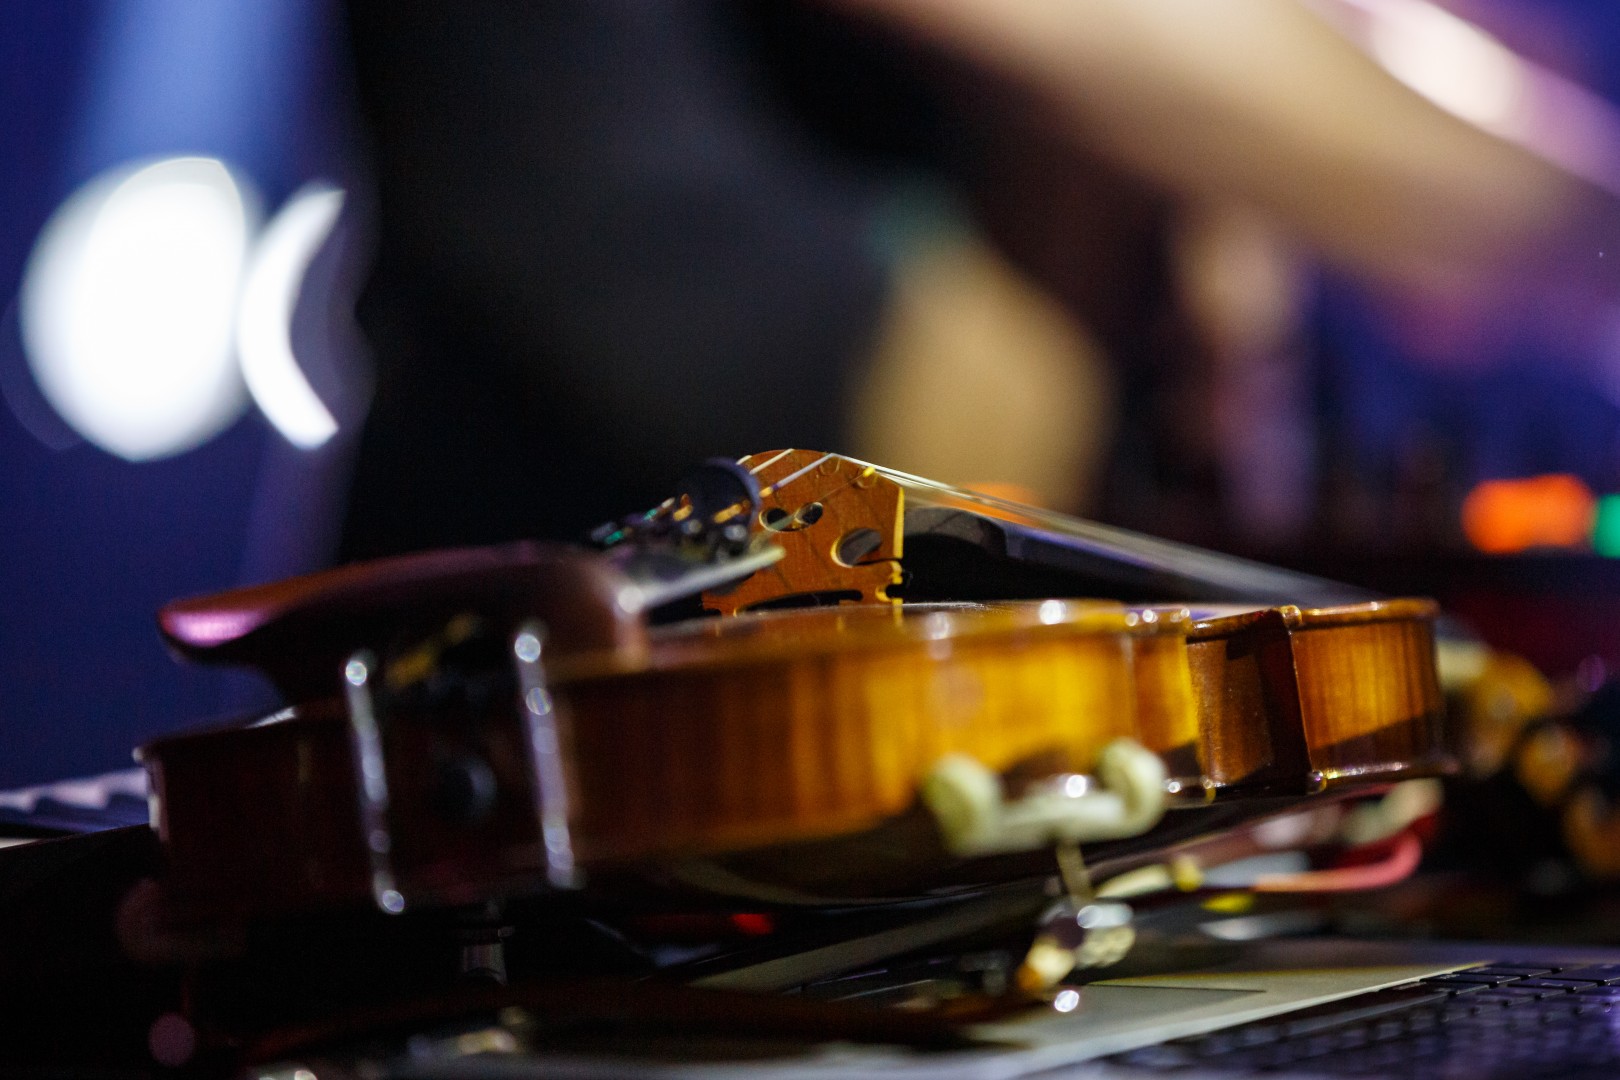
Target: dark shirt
606,250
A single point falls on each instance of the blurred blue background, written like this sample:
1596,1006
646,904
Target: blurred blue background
92,543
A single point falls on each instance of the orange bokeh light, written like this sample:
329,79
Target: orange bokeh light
1500,517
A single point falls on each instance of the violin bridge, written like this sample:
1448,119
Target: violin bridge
839,524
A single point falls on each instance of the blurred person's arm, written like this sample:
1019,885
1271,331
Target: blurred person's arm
978,377
1262,102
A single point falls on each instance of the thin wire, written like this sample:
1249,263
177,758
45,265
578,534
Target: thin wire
726,513
771,489
1073,872
1405,855
762,466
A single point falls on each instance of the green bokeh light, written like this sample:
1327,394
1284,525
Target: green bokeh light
1606,527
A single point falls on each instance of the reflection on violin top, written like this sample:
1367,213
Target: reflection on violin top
1215,620
762,637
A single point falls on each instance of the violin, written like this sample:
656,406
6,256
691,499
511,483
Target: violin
468,725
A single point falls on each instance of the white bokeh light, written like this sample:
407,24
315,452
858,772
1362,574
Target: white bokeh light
1451,62
127,305
264,320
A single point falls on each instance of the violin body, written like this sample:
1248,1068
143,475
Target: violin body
796,725
792,725
783,728
451,746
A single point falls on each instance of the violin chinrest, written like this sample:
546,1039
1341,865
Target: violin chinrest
299,631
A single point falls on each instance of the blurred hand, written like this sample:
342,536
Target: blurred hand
1261,102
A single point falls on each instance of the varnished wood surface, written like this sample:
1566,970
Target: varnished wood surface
817,723
791,725
1350,692
1370,696
783,728
1250,734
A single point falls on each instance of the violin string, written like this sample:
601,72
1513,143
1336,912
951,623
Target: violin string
762,466
670,507
730,511
848,481
772,489
776,487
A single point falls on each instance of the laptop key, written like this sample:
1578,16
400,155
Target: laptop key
1547,986
1511,971
1165,1056
1221,1042
1422,1020
1486,1001
1361,1007
1598,973
1385,1030
1258,1034
1530,1021
1458,986
1480,1019
1477,975
1525,991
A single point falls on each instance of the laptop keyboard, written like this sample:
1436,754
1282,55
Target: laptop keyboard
1500,1020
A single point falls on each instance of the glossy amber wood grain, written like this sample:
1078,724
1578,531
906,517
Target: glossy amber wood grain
1168,718
769,730
1370,696
1292,698
794,725
1363,679
1250,735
